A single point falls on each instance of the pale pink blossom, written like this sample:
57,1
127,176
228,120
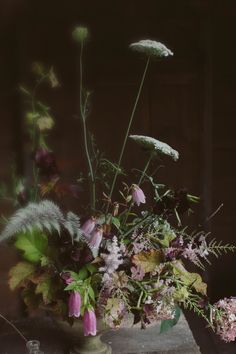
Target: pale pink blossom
88,226
224,318
96,237
74,304
90,323
138,195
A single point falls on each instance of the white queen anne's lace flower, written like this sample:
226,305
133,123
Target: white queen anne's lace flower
152,48
155,145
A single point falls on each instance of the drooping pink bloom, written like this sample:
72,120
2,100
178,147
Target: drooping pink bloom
66,277
74,304
96,237
88,226
90,323
138,195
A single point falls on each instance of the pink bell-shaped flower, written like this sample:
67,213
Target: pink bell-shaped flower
74,304
88,226
96,237
90,323
138,195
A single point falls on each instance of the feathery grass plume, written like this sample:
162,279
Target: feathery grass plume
43,215
155,146
151,48
72,224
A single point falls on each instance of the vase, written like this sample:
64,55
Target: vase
81,344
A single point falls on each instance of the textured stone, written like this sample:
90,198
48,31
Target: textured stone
178,340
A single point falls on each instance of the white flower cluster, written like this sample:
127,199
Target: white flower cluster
155,145
151,48
112,260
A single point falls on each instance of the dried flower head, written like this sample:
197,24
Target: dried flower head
155,146
151,48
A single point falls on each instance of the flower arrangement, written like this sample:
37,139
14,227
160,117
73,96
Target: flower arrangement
124,258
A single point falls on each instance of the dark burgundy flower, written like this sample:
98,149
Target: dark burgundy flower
46,162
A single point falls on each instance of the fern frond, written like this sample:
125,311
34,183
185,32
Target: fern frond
217,248
43,215
72,225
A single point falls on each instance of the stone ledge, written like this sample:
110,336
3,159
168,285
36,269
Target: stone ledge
179,340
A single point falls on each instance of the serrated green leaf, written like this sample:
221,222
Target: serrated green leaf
34,245
45,288
166,325
19,274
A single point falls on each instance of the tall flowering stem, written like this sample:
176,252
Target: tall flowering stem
83,117
128,129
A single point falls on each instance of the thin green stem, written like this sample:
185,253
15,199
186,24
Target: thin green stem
128,129
145,170
14,327
83,117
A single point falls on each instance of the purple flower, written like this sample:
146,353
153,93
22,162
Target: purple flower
74,304
46,162
88,226
96,237
90,323
138,195
66,277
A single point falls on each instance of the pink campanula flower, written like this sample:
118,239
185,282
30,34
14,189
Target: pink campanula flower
67,277
96,237
90,323
88,226
74,304
138,195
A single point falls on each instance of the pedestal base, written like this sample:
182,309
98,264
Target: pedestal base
91,345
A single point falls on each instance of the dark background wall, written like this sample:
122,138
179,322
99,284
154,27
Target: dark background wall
188,100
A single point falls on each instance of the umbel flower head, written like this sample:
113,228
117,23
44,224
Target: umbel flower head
80,34
155,146
151,48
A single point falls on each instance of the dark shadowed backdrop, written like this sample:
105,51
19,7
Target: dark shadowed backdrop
189,101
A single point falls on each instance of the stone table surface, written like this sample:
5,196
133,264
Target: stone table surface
179,340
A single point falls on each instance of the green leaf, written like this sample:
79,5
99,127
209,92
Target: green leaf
19,274
83,273
45,288
193,280
166,325
91,268
34,245
148,261
91,293
116,222
73,287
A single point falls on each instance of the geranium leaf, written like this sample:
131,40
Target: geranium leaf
148,261
193,280
34,245
19,273
46,288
